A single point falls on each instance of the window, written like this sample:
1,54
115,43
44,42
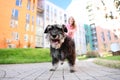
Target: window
115,36
15,36
65,18
26,37
27,18
27,27
14,18
28,5
15,14
32,20
38,20
18,2
47,8
108,34
13,23
102,36
47,11
55,12
32,28
11,46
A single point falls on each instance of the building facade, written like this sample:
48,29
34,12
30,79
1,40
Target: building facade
100,39
39,35
53,15
18,23
75,9
88,37
105,37
104,24
23,22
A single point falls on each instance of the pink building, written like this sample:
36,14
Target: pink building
105,37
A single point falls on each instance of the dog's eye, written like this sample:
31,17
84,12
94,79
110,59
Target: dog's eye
50,29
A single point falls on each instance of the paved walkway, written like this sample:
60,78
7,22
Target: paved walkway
86,70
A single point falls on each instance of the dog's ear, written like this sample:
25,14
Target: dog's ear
47,29
64,28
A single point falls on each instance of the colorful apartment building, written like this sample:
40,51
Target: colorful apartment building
18,23
88,37
100,38
105,37
104,26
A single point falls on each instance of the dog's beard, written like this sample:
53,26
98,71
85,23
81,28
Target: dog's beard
56,42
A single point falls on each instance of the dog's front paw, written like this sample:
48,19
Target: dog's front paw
52,69
72,71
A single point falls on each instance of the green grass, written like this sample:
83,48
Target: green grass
24,55
109,61
112,58
83,57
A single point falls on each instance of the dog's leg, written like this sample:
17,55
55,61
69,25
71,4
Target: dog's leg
61,57
72,68
55,64
71,61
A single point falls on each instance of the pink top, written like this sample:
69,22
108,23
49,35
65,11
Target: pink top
71,31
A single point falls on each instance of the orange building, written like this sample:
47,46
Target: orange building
17,23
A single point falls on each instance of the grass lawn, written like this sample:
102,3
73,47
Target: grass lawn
24,55
109,61
112,58
83,57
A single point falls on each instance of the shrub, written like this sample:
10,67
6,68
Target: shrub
92,54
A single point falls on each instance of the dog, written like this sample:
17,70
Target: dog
61,46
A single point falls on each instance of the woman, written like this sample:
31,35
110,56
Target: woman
71,26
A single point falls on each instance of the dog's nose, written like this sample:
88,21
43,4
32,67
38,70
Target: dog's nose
54,36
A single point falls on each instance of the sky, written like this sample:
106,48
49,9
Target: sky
61,3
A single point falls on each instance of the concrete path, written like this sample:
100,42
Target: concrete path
85,70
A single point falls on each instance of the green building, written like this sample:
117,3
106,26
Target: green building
89,38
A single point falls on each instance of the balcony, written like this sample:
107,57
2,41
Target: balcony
40,7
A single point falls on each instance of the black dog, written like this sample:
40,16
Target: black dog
61,46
